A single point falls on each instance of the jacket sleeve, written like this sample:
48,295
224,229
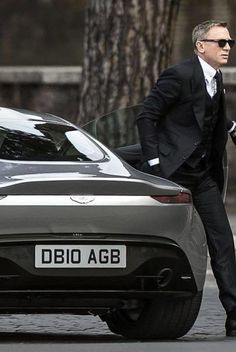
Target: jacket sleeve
162,97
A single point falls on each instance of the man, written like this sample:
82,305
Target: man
183,131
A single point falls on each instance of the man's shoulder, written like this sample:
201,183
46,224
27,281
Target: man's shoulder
184,68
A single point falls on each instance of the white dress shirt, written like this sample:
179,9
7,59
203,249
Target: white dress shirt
209,73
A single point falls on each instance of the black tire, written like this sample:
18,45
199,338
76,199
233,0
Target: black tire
164,318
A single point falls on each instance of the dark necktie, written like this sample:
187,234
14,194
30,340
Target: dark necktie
219,82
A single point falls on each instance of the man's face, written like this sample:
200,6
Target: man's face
211,52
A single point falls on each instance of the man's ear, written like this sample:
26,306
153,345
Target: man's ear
200,47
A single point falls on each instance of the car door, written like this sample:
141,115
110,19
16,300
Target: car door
118,131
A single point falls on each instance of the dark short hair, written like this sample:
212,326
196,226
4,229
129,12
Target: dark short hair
203,28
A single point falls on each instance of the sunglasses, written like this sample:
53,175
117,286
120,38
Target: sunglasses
221,42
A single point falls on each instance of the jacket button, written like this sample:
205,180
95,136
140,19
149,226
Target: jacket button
184,157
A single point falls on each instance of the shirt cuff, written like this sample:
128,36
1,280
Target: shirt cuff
233,127
155,161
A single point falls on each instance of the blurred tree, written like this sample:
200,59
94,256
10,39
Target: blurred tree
127,44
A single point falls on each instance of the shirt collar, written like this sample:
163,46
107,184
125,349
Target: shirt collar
208,71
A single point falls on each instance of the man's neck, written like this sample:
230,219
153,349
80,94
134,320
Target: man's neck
216,67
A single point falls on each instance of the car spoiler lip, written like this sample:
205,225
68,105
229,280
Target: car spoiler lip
87,186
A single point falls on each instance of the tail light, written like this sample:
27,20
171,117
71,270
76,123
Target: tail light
181,198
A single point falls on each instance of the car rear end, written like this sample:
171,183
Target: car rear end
59,250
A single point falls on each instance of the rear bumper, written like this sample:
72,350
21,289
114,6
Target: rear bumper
155,266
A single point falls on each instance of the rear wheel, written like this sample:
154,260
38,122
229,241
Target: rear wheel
157,319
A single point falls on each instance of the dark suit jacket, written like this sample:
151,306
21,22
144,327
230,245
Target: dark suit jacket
171,121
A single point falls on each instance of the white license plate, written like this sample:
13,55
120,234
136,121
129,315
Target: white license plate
80,256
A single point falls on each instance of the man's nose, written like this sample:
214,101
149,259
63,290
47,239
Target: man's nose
227,47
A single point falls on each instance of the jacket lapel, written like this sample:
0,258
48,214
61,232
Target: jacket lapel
199,92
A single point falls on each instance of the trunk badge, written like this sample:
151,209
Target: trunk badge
82,199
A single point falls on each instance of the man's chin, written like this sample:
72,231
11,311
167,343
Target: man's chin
225,59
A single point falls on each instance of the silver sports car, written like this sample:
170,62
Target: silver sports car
83,231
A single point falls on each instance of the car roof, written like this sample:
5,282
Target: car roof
20,115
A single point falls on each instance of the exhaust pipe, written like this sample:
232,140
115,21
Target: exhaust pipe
164,277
